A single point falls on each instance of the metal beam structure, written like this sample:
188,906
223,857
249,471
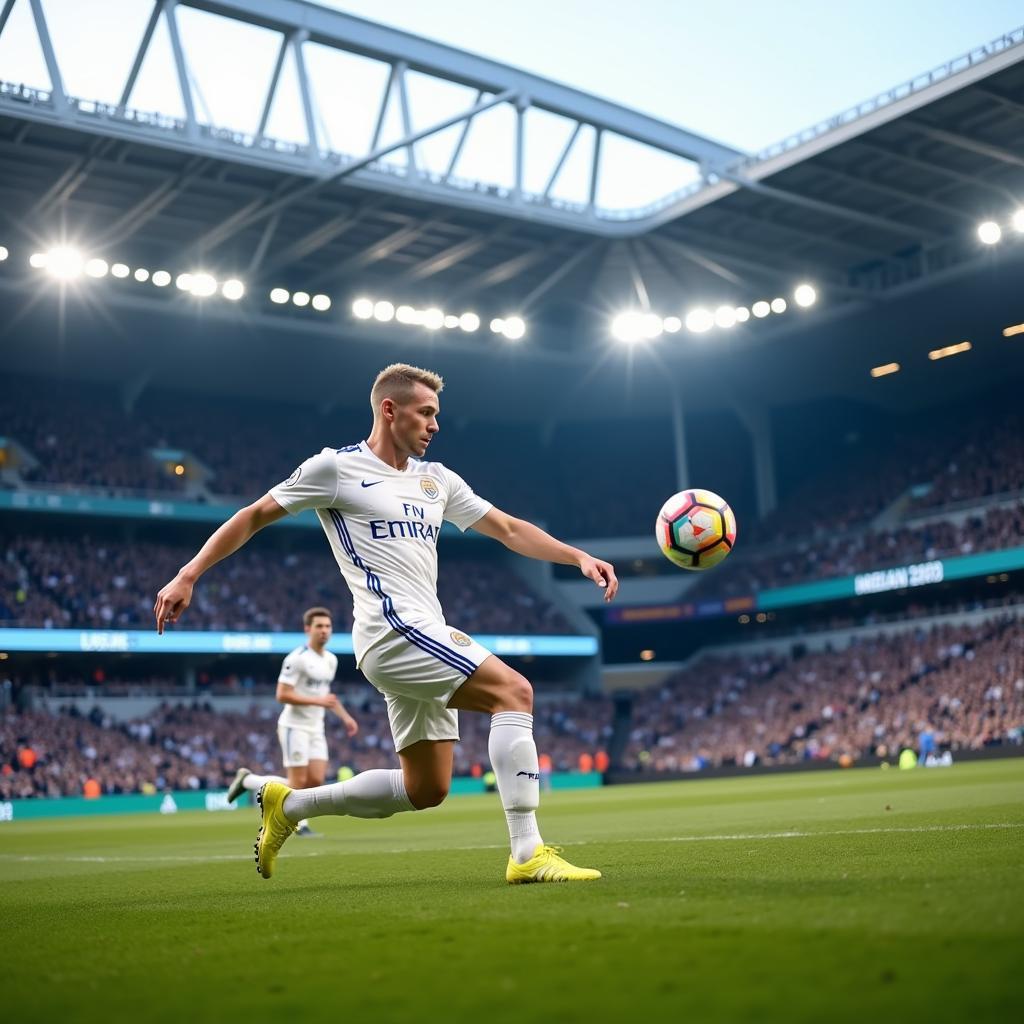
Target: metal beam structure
968,142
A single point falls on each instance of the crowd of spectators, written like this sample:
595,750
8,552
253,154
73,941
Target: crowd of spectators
999,527
963,685
192,746
52,582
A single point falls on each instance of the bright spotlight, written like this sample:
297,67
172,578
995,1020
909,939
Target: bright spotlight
1018,220
433,319
141,275
469,322
37,260
699,320
779,305
628,327
64,262
990,232
300,299
96,267
725,316
653,326
805,295
451,321
232,289
203,286
183,282
161,278
321,303
362,309
498,325
405,315
760,309
119,270
3,253
672,324
515,327
281,296
384,311
742,314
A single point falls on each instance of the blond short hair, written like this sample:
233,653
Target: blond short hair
397,382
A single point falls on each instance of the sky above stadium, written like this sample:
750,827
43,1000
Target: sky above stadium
747,73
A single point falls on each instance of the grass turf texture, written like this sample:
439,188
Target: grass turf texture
825,896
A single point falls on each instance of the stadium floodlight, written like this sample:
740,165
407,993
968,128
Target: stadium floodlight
161,278
515,327
433,319
203,285
37,260
183,282
805,295
990,232
761,309
300,299
949,350
96,267
1018,220
699,320
232,289
64,262
451,321
885,369
742,314
653,326
281,295
672,325
725,316
3,253
321,303
362,309
469,322
384,311
405,315
120,270
779,305
628,327
498,325
141,275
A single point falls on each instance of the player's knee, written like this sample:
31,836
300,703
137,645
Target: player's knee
427,794
518,694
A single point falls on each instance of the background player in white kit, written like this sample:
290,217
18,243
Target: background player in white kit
382,510
304,688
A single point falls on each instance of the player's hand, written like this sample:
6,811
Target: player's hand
602,573
171,602
350,724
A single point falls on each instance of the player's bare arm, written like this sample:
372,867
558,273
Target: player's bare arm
526,539
176,596
286,695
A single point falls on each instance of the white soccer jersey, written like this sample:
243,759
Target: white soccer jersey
383,525
311,674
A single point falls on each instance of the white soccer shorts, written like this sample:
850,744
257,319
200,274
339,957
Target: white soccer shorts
418,671
300,746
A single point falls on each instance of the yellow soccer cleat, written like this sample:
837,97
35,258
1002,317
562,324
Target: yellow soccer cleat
276,828
546,866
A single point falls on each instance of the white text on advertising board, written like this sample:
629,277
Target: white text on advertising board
883,580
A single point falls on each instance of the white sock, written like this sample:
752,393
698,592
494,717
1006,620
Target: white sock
514,760
378,793
254,782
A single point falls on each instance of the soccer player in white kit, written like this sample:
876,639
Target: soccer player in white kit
381,506
304,688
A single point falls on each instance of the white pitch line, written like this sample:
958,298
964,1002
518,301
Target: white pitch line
728,837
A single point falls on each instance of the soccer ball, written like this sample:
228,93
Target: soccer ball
695,529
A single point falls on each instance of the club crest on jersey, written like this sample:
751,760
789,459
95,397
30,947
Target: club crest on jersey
460,638
294,478
429,487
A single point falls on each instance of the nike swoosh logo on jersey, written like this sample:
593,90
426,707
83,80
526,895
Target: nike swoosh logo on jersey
372,483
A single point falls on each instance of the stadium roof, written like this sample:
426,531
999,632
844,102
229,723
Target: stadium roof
878,207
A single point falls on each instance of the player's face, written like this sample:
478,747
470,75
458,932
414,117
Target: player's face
319,630
415,422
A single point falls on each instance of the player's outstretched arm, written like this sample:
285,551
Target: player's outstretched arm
526,539
176,596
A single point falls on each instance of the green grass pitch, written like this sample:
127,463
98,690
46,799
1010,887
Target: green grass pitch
833,896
